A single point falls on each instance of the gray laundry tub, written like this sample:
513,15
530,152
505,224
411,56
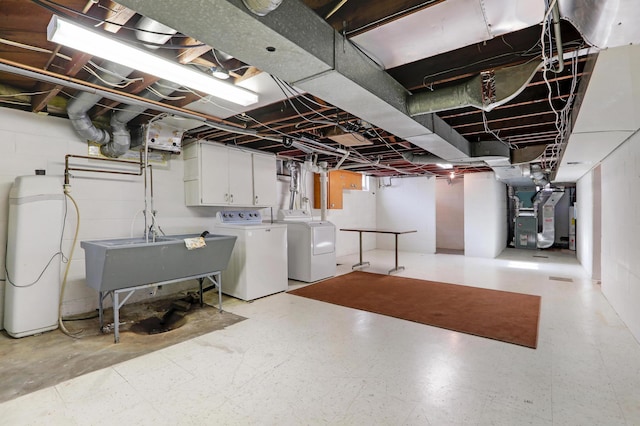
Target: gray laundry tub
130,262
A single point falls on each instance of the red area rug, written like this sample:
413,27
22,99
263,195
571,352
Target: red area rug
500,315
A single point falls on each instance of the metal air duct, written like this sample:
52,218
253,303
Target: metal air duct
604,23
298,46
437,161
484,91
293,183
121,137
537,175
78,107
547,236
261,7
117,143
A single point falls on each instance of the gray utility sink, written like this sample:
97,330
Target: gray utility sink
131,262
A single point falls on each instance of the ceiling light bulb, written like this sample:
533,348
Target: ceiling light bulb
70,34
452,175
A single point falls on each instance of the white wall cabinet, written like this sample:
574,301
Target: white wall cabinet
264,180
217,175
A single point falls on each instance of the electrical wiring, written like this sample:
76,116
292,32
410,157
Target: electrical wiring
391,17
126,81
15,95
331,123
166,97
34,282
122,26
562,116
58,253
301,94
109,107
466,65
487,129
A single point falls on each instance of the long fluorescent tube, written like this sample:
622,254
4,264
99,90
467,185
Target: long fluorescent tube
67,33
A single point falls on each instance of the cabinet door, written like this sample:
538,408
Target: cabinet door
334,191
264,180
353,181
240,178
214,174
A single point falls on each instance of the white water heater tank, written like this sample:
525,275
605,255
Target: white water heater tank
32,288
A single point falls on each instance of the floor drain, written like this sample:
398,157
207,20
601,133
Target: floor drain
566,280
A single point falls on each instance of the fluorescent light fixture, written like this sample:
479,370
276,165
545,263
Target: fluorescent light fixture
70,34
445,165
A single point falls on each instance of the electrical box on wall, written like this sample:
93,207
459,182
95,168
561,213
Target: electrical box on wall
162,137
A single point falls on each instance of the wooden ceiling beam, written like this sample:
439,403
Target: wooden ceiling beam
49,91
189,54
117,15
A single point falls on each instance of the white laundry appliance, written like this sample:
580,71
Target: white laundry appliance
311,246
258,264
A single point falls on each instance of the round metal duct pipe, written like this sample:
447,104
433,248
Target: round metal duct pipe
153,32
261,7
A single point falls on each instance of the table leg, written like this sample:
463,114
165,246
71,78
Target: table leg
360,264
397,268
100,314
200,281
116,317
219,281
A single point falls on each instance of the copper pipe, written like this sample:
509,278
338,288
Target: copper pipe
123,97
67,168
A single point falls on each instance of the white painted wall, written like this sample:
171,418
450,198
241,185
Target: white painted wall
450,214
584,222
621,232
409,203
485,215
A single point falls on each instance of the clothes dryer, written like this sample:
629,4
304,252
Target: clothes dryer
311,246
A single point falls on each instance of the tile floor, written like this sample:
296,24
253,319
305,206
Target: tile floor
297,361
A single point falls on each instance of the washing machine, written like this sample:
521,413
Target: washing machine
258,264
311,246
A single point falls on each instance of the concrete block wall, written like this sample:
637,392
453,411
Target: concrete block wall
108,203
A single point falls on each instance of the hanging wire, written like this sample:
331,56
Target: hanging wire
562,116
46,4
165,97
326,121
125,81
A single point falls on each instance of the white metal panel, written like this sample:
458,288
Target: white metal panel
311,250
447,26
258,264
324,237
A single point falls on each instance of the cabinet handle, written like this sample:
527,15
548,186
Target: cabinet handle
231,198
226,197
256,202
